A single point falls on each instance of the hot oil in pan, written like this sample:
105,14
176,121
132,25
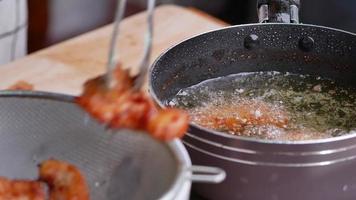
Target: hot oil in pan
271,105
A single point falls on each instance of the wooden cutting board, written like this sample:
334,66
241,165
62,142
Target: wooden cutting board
64,67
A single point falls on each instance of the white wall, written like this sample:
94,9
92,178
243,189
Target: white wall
65,15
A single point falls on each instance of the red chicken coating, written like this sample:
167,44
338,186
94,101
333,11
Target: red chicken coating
122,107
21,190
65,181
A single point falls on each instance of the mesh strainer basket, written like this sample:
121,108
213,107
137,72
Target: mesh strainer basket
35,126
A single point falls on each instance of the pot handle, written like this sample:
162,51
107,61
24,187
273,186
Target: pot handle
204,174
283,11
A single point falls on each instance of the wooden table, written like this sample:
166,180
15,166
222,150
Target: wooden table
64,67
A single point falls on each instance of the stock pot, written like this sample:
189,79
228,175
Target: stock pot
260,169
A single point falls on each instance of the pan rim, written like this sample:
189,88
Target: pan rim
246,139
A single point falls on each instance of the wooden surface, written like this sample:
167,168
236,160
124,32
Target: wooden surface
63,68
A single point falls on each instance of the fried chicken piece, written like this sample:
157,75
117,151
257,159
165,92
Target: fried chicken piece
253,118
119,107
233,117
122,107
168,124
21,85
65,181
133,111
100,101
21,190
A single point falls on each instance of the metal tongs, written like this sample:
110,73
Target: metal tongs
113,55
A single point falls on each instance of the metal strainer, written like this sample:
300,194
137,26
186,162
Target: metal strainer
35,126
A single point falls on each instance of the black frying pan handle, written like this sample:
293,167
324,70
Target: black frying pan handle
284,11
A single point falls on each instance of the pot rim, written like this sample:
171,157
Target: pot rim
270,164
242,138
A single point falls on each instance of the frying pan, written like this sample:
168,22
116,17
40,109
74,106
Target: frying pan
124,164
259,169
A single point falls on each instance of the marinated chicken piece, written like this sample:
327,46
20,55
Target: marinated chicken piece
133,111
168,124
21,190
100,101
65,181
122,107
253,118
234,117
21,85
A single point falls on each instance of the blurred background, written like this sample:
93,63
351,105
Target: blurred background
52,21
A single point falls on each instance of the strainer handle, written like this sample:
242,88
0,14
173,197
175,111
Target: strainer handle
204,174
